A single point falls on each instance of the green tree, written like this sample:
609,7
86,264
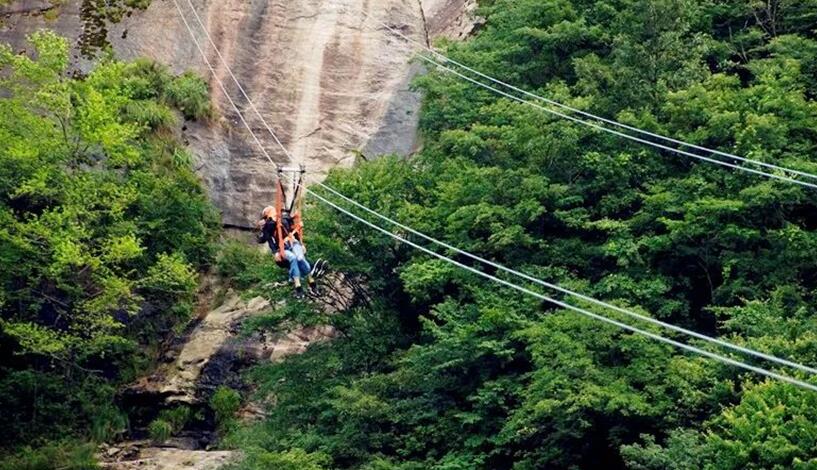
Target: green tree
451,371
102,233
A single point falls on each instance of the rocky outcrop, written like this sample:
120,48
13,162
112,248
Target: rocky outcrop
165,458
452,19
296,341
177,381
213,351
323,73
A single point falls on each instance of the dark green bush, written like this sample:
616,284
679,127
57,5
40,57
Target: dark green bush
225,403
150,113
245,265
177,417
48,405
107,424
68,455
189,93
160,430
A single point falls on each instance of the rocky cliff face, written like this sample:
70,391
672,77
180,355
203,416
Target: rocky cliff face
211,353
327,79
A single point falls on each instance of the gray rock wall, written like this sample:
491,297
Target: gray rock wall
327,79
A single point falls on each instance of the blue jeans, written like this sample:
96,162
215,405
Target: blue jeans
298,265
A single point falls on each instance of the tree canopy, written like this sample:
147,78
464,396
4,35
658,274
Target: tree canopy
104,226
447,371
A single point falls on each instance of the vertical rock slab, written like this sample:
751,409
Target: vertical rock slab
453,19
326,76
178,381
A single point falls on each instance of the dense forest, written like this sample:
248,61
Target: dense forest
105,229
104,226
444,370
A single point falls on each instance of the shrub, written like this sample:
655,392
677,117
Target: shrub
146,79
160,430
171,275
46,405
176,417
150,113
64,455
293,459
190,94
181,158
244,265
108,424
225,403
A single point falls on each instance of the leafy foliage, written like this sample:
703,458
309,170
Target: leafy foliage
102,235
169,423
294,459
67,454
245,266
447,371
160,430
225,403
189,93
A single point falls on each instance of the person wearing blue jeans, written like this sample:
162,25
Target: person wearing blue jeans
294,251
298,265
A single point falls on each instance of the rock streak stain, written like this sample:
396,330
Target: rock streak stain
324,74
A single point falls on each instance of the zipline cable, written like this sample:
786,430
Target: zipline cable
578,295
654,336
220,84
445,59
238,84
613,131
490,88
595,316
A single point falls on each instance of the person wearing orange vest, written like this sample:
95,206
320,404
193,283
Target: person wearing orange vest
294,252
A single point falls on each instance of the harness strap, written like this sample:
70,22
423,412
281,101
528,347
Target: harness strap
296,209
279,213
